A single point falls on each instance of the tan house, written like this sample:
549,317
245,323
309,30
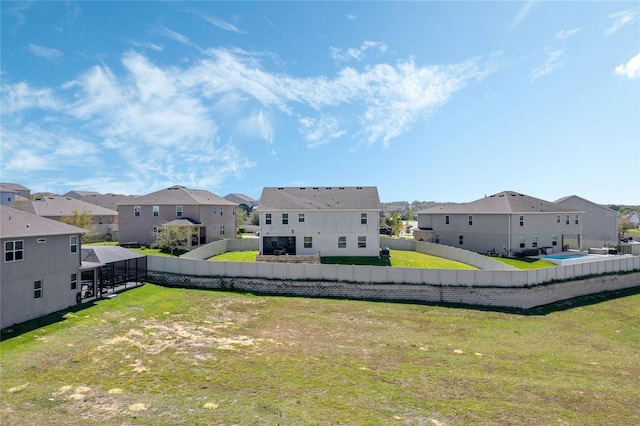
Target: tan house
506,223
211,216
41,260
332,221
56,207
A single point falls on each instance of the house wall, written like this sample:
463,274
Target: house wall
325,227
599,224
50,261
140,228
491,231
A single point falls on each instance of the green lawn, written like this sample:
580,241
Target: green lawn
401,259
147,251
525,263
236,256
161,356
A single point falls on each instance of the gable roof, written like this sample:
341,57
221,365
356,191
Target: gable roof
107,199
57,206
320,198
179,195
502,202
571,198
80,194
12,187
239,198
17,223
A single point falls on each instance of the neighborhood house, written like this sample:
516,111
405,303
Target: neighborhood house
330,221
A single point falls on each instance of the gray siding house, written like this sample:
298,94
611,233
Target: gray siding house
332,221
506,223
211,216
599,223
41,259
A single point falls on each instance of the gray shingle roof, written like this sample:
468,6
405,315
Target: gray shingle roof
502,202
107,199
17,223
320,198
179,195
58,206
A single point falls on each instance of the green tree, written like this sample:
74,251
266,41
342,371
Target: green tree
255,218
394,220
82,219
173,237
241,217
623,224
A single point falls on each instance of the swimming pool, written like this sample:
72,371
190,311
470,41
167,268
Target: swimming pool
573,258
565,256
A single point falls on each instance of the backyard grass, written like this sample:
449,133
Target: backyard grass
146,250
236,256
161,356
525,263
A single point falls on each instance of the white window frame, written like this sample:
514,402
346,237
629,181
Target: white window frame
534,241
554,240
179,211
74,281
363,218
301,217
342,242
37,289
521,220
14,251
470,220
221,229
136,211
577,219
267,218
447,219
567,220
73,244
558,218
156,211
308,242
362,241
523,242
285,218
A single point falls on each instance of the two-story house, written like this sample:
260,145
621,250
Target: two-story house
506,223
41,260
332,221
599,223
211,216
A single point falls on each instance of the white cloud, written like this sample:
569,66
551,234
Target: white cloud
552,64
21,96
564,34
522,13
356,53
257,125
319,131
220,23
175,36
147,45
631,69
620,19
44,52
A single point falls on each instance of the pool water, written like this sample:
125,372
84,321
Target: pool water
564,256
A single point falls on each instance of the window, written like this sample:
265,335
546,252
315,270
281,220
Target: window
215,210
576,219
179,211
73,244
554,240
461,240
342,242
566,219
363,218
557,218
300,217
99,221
523,241
13,251
446,220
285,218
221,210
37,289
437,239
534,241
156,211
74,281
41,240
233,211
521,220
470,220
136,210
267,218
221,229
362,242
308,242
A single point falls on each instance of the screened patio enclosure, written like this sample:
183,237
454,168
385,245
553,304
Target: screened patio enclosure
106,268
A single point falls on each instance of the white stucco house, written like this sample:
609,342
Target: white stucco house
331,221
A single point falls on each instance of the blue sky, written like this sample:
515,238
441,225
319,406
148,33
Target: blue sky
443,101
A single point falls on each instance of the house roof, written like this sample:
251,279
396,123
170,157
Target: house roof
502,202
76,194
7,186
17,223
58,206
239,198
320,198
185,221
107,199
107,254
568,199
179,195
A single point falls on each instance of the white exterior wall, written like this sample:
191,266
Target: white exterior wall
325,227
600,224
50,261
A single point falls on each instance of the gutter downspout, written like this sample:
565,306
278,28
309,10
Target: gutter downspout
509,241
